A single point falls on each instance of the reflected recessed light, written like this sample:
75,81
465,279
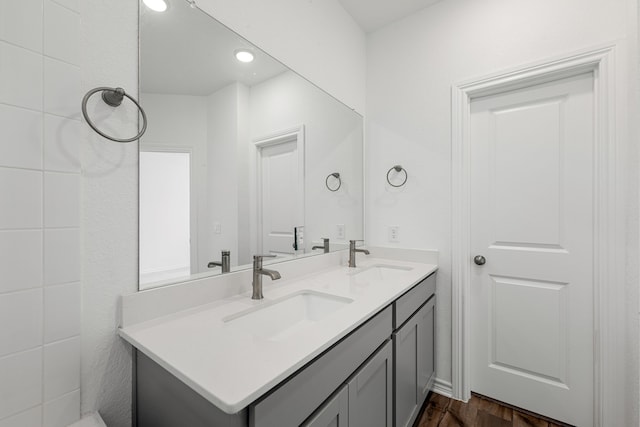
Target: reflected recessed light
157,5
244,55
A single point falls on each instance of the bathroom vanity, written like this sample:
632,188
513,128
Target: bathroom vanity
325,347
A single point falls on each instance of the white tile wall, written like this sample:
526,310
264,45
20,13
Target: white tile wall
29,418
61,199
62,89
61,144
62,411
61,368
25,309
20,382
40,94
21,260
61,29
22,125
61,256
61,312
20,77
21,23
70,4
21,195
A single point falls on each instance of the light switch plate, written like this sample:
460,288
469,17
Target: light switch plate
394,233
217,228
340,233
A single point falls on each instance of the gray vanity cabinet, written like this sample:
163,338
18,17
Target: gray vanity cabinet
426,349
413,351
333,413
371,391
377,376
349,362
365,400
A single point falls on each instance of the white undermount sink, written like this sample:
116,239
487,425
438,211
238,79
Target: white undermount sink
276,320
380,272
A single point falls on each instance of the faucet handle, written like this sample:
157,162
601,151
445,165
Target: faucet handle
264,256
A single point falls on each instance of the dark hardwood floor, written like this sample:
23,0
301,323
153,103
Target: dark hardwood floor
440,411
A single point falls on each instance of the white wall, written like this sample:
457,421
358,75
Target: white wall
333,136
412,65
180,121
165,215
109,194
39,213
317,39
222,194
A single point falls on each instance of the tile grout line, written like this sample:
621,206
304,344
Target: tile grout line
65,7
43,219
35,52
32,110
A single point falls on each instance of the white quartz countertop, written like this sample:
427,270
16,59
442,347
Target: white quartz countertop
232,368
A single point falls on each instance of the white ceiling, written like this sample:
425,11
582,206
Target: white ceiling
372,15
185,51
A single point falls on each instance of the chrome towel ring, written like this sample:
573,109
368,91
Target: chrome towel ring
398,169
336,175
113,97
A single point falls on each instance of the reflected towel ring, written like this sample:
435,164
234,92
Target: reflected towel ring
113,97
336,175
398,169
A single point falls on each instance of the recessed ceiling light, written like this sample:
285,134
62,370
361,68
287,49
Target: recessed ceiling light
243,55
156,5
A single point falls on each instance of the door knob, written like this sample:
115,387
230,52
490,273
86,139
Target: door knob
479,260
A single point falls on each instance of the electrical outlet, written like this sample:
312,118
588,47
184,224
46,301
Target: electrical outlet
299,237
217,228
394,233
340,232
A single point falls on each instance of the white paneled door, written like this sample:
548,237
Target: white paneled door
280,197
532,240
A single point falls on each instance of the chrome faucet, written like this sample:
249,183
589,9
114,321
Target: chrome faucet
353,250
225,263
258,272
325,245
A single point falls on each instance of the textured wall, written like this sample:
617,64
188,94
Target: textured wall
109,207
411,66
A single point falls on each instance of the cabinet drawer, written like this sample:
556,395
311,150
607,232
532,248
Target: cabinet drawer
408,303
292,402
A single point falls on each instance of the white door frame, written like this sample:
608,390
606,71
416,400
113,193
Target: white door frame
193,193
287,135
609,243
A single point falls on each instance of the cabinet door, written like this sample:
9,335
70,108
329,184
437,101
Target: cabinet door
426,349
413,353
405,358
370,391
334,412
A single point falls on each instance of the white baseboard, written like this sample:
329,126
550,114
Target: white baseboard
445,388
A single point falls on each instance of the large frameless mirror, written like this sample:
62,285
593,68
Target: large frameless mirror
241,155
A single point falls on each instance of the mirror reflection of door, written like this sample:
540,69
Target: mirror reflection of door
281,192
165,215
